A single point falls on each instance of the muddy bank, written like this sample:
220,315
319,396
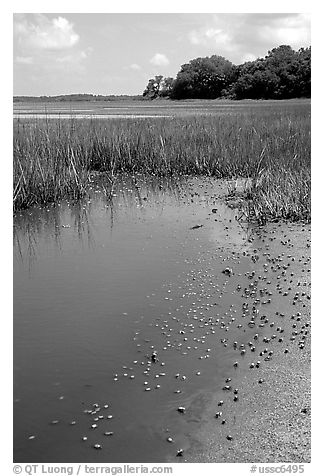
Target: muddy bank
265,416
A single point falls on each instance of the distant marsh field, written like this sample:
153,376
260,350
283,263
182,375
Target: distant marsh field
267,142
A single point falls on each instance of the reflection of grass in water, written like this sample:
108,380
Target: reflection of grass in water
270,145
29,226
50,221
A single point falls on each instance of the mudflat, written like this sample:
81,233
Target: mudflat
270,421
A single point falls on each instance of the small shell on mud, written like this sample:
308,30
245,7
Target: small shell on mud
228,271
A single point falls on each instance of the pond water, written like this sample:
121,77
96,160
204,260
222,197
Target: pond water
120,304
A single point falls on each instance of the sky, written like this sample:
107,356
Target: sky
111,53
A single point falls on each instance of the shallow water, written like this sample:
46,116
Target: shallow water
98,286
82,115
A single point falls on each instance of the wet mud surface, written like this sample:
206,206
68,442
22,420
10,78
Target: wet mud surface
271,419
152,326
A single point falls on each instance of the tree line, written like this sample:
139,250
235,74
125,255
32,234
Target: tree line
282,74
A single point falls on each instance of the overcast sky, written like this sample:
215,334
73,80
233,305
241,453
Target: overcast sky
118,53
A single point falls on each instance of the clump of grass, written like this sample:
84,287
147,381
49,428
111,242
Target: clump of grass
47,168
278,195
270,146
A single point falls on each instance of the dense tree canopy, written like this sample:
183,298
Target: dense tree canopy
282,74
153,88
203,78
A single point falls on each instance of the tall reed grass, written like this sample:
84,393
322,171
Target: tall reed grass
270,146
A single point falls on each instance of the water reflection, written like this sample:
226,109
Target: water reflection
98,286
133,194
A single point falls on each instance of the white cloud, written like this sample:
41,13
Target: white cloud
24,60
242,36
159,59
210,35
76,57
293,31
50,45
44,33
248,57
135,67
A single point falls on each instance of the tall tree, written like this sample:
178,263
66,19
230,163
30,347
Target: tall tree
153,87
303,72
203,78
282,74
166,87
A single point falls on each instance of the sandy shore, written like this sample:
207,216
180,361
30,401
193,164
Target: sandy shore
270,421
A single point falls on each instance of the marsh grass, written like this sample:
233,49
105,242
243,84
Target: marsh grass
268,146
